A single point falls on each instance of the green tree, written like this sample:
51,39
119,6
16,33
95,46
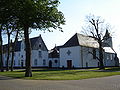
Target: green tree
4,14
1,50
37,14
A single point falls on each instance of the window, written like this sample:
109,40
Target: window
21,56
35,62
56,61
9,62
94,53
18,62
40,54
6,62
40,45
107,56
68,52
22,46
44,62
111,57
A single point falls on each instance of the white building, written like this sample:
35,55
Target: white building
39,56
54,59
82,51
79,51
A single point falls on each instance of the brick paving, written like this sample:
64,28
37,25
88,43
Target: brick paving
105,83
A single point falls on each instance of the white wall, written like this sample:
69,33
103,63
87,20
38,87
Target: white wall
109,59
35,56
54,64
87,56
80,56
74,56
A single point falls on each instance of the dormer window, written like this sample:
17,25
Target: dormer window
40,45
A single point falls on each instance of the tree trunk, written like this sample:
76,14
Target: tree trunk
28,72
8,51
1,52
13,50
101,56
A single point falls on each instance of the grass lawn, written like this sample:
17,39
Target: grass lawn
63,74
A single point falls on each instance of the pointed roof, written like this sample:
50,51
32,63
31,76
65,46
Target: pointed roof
81,40
32,40
107,34
35,41
54,53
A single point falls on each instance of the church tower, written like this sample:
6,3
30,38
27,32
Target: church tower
107,40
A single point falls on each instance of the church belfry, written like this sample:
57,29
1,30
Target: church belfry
107,39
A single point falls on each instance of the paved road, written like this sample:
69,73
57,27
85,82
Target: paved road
106,83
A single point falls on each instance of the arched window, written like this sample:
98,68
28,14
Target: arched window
44,62
56,61
40,54
18,62
35,62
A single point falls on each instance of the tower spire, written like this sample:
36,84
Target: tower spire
107,34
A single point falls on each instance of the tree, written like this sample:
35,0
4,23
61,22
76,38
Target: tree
3,19
9,29
96,28
36,14
13,45
1,51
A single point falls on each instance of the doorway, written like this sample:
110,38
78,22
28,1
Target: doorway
69,64
50,64
21,63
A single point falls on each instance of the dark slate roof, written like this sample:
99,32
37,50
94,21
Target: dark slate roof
54,53
33,40
107,35
73,41
17,47
81,40
18,44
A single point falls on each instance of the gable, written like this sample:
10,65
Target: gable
73,41
38,43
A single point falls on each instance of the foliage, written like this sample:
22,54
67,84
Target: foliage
40,14
35,14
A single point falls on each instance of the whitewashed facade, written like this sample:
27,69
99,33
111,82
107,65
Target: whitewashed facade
81,51
54,60
39,53
78,52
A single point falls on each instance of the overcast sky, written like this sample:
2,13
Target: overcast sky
75,12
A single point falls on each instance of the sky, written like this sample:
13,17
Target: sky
75,12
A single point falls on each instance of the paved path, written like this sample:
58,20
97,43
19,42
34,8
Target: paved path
106,83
